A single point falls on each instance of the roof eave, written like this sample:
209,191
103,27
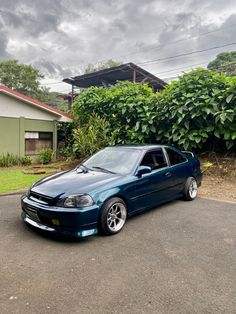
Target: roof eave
63,118
75,80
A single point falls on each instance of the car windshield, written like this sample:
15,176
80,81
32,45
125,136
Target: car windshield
120,161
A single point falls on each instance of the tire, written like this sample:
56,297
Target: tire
190,189
113,216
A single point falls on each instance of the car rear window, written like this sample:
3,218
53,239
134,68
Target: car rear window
174,157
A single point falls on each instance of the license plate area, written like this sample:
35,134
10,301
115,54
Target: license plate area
32,213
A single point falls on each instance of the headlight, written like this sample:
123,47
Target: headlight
27,193
83,200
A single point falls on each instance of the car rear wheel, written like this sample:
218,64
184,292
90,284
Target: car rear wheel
113,216
190,189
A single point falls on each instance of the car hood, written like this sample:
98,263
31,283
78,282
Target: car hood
73,182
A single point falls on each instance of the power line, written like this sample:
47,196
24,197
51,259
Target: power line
68,91
186,54
53,83
63,91
191,65
159,46
184,39
168,43
220,66
166,58
157,73
180,68
170,78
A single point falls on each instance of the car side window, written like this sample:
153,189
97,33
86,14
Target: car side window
154,160
174,157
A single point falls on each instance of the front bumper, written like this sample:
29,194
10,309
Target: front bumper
72,222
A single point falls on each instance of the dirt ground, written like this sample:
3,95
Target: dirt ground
219,177
218,188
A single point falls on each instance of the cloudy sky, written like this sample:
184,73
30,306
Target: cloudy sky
61,37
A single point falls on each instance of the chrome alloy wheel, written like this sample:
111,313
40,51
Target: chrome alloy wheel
193,189
116,217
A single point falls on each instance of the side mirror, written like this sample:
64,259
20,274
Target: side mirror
142,170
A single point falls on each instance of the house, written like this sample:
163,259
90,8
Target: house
27,125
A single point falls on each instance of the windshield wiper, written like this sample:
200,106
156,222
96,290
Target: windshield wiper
103,169
85,167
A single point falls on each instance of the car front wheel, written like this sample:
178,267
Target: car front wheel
113,216
190,189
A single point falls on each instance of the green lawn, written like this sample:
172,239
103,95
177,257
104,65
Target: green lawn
15,179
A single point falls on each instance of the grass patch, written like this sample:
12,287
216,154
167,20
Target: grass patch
15,179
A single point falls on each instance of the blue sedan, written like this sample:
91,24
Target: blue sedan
114,183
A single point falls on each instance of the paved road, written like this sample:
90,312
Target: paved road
179,258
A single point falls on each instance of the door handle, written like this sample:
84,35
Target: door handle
168,174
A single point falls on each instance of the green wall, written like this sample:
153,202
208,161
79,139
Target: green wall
12,131
9,135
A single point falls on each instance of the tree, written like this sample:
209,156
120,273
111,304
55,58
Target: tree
224,62
24,79
57,101
109,64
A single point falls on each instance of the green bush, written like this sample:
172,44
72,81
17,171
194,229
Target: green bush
129,108
198,111
91,137
24,161
45,156
65,139
8,160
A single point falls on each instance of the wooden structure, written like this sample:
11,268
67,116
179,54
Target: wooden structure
125,72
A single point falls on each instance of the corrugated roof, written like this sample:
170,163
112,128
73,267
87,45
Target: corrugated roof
120,73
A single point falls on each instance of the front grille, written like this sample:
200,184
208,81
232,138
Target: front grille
32,213
43,199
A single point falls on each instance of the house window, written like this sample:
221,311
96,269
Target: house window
36,141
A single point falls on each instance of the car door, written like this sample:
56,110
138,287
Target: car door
153,188
180,169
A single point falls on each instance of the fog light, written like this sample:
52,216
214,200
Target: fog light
86,233
56,222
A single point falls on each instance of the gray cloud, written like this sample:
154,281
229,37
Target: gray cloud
61,37
3,44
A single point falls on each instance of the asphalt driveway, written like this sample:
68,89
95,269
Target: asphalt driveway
179,258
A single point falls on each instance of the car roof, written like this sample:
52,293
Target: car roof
139,147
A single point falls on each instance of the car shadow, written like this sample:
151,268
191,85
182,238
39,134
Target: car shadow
150,210
83,240
56,237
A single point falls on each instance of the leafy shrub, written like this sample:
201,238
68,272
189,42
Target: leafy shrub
129,108
8,160
91,137
199,109
45,156
65,139
24,161
196,112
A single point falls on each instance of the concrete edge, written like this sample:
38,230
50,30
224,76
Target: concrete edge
18,192
218,200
